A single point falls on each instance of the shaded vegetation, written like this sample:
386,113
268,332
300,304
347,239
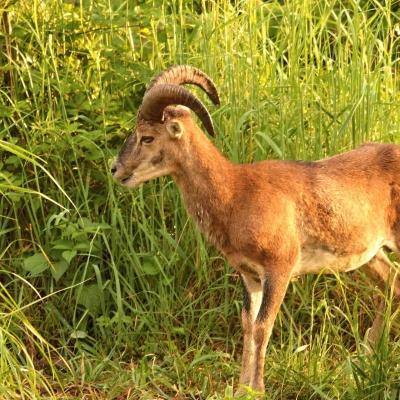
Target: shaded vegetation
108,293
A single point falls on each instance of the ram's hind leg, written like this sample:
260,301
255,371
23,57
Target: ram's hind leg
383,273
262,300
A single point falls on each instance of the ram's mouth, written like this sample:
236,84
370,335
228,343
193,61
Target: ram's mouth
126,179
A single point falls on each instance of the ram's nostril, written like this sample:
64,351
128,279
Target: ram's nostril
113,170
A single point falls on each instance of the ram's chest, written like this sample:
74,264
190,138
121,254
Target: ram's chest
202,217
211,225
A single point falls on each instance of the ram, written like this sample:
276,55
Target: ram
274,220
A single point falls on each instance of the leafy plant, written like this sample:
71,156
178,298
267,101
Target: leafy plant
119,284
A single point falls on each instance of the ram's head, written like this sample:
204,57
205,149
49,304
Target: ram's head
152,149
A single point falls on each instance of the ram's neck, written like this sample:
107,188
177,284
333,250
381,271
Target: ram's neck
207,179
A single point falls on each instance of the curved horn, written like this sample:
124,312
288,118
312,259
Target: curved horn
161,96
181,74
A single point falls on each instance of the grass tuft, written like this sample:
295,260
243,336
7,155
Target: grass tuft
111,294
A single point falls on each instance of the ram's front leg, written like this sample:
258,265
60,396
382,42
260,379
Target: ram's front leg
261,303
252,296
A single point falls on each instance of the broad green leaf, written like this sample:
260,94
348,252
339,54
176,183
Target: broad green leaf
69,255
88,226
149,266
58,268
90,297
84,246
36,264
63,245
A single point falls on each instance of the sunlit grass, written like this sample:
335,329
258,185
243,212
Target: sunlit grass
136,301
24,353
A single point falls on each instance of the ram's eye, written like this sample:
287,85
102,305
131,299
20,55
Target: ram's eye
146,139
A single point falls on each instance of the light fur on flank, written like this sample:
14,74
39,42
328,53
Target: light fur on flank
274,220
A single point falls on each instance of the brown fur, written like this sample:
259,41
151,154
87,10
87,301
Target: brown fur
275,220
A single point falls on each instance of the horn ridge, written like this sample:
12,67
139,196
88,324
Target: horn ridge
186,74
164,95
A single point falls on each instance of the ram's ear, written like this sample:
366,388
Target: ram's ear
175,128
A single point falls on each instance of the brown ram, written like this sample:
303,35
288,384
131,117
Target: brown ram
274,220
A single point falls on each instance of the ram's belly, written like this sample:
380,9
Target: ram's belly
314,260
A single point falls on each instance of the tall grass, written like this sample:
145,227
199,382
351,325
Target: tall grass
119,284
